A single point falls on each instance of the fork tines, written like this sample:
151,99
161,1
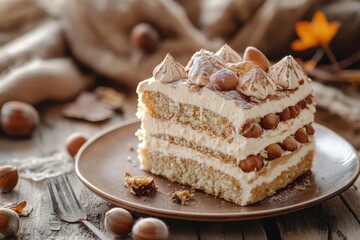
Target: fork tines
64,201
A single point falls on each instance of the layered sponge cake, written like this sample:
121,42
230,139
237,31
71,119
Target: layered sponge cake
236,128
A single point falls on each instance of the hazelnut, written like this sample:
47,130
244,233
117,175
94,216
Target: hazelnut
225,79
294,111
308,99
145,37
301,104
255,55
273,151
8,178
74,142
150,228
252,130
251,163
18,119
9,222
118,222
270,121
285,115
309,129
289,144
301,136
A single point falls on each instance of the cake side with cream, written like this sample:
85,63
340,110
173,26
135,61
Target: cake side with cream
235,127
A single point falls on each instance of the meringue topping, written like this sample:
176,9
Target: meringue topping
256,83
228,54
202,65
287,73
169,70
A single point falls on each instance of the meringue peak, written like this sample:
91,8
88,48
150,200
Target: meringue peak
228,54
169,70
287,73
256,83
202,65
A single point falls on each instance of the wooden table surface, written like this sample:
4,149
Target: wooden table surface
337,218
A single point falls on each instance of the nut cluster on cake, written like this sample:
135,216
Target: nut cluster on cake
226,70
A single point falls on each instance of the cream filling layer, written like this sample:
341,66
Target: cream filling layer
241,147
155,144
210,100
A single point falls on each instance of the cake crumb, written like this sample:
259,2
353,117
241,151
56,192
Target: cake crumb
182,197
131,147
140,185
129,158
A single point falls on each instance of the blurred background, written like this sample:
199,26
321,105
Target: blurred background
72,55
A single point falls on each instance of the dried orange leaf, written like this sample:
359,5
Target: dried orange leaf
318,32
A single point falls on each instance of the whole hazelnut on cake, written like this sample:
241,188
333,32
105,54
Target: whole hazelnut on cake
270,121
8,178
150,228
255,55
252,130
251,163
224,80
74,142
301,136
118,222
18,119
145,37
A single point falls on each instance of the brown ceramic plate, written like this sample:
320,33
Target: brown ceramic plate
103,160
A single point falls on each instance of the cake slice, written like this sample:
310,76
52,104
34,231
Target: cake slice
237,130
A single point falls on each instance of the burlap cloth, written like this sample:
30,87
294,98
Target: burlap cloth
39,41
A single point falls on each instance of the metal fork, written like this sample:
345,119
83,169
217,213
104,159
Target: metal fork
66,206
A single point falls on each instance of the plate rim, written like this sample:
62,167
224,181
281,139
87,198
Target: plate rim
209,217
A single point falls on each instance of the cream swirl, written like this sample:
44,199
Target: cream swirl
256,83
169,70
228,54
287,73
202,65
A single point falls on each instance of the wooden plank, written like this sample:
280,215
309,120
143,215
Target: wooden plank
352,199
181,230
232,230
310,223
342,224
253,230
219,231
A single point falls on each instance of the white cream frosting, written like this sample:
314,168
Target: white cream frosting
202,65
210,100
256,83
169,70
154,144
228,54
287,73
241,147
